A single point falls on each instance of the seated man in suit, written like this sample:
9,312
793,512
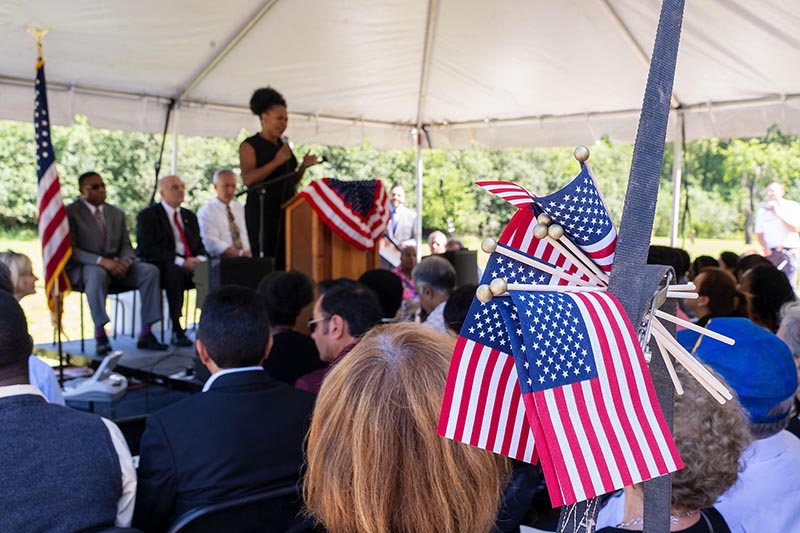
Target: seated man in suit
63,470
222,223
435,280
102,257
169,237
242,434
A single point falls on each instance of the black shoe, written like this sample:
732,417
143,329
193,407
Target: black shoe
149,342
102,346
180,339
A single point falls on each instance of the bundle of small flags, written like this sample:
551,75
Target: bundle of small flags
548,366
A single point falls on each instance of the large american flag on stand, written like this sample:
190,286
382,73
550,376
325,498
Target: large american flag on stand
53,224
357,211
595,417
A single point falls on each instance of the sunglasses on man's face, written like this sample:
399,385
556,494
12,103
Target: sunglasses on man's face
312,324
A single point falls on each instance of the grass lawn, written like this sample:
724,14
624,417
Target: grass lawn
41,330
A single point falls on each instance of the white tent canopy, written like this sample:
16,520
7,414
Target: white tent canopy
510,73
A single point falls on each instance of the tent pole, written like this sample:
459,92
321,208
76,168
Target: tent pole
677,174
176,129
418,142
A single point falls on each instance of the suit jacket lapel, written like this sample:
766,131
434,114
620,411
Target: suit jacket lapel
166,225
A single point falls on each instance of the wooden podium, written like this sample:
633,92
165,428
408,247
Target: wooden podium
313,249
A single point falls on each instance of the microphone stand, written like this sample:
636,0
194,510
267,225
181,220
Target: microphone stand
261,189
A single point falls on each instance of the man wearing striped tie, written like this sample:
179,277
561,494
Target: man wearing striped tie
222,224
103,258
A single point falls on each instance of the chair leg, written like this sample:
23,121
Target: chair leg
116,312
133,317
83,349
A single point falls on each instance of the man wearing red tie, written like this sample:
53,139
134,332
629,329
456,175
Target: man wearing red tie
169,237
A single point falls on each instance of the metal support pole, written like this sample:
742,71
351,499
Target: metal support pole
677,174
418,142
176,129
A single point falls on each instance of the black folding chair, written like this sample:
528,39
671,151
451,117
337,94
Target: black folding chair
276,509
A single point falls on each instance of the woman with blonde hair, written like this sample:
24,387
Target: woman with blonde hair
375,462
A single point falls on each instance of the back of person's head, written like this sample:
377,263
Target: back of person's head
285,294
666,255
387,286
436,272
768,289
759,367
457,307
234,327
6,284
710,438
699,263
747,263
375,462
719,288
15,343
728,260
355,303
327,284
18,264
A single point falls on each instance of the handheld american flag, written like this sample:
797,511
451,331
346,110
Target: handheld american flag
598,425
357,211
53,225
580,210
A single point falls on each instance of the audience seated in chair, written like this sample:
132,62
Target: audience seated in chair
243,434
761,371
789,332
168,236
387,288
222,223
102,258
293,354
342,314
768,289
434,279
63,470
711,439
17,278
375,462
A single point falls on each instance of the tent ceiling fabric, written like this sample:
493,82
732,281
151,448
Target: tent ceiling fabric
512,73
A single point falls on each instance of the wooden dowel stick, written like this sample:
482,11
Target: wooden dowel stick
552,288
685,287
670,368
701,379
688,360
684,295
694,327
543,267
578,258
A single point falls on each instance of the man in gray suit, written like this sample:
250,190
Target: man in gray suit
402,227
102,257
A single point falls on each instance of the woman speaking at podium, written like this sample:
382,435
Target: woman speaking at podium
266,158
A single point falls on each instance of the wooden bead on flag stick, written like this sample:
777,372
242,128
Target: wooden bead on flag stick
488,245
498,286
483,293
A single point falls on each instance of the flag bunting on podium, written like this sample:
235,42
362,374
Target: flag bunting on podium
357,211
53,224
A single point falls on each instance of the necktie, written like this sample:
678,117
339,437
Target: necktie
101,226
187,253
237,238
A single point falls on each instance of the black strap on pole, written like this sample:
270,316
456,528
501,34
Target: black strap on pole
632,281
157,164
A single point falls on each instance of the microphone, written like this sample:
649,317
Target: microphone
285,140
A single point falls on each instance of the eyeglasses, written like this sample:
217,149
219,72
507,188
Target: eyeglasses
312,324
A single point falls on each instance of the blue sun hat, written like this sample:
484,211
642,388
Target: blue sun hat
759,367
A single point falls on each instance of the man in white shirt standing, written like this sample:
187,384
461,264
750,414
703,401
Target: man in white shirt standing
222,224
777,223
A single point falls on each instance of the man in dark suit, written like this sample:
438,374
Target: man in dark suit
242,434
169,237
102,257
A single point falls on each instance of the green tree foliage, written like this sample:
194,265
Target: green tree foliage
723,179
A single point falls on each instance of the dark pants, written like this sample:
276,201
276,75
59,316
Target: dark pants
175,281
